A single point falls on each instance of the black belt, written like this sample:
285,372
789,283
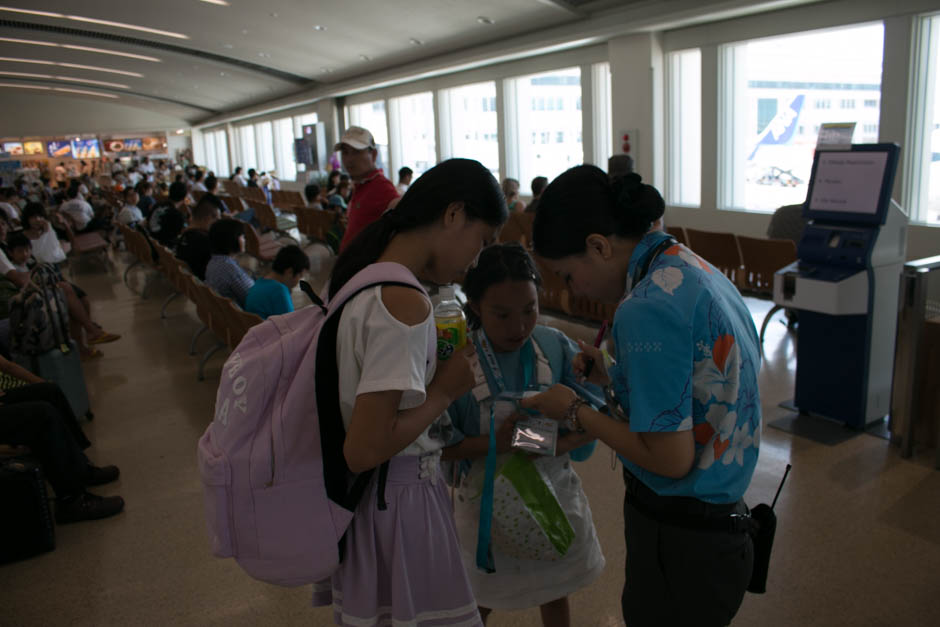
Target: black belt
687,512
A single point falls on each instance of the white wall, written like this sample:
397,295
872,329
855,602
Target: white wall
26,113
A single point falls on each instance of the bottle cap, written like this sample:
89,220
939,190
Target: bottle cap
447,292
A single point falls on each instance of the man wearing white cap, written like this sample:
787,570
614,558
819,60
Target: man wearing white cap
373,192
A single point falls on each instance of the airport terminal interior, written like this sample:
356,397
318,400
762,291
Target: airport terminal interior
731,109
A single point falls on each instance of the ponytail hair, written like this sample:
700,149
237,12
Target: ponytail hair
455,180
583,201
497,263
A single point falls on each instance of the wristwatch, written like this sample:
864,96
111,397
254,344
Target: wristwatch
571,415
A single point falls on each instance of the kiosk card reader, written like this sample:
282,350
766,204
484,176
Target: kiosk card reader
845,285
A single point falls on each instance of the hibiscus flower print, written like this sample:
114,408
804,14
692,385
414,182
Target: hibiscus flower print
718,374
667,279
715,434
741,440
688,256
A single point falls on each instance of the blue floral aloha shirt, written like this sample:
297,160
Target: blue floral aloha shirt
688,357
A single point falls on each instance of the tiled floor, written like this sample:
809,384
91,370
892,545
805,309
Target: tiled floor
858,541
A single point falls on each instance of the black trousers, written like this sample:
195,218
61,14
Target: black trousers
33,416
679,576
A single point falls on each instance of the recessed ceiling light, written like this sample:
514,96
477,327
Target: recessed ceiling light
264,55
244,31
228,46
319,27
416,42
221,3
365,57
82,48
179,131
222,74
485,20
274,15
92,20
327,70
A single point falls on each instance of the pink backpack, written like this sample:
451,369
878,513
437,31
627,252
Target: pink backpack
276,484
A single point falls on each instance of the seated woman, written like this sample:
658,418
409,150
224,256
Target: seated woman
270,295
19,246
517,356
223,274
45,243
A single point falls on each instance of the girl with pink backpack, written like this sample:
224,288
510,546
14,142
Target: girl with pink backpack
402,561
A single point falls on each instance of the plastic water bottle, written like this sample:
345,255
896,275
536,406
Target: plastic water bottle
451,324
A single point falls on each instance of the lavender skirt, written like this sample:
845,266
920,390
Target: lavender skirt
402,565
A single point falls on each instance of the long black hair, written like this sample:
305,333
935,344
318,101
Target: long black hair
497,263
583,201
454,180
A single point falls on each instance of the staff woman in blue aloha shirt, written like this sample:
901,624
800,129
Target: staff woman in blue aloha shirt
684,411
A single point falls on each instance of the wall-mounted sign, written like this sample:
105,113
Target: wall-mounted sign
13,148
86,148
59,150
34,148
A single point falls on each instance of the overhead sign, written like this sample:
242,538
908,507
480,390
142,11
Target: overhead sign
59,149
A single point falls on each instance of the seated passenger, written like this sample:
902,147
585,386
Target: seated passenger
211,184
146,202
7,200
19,247
270,295
81,214
38,415
130,213
45,243
223,274
168,219
787,223
194,247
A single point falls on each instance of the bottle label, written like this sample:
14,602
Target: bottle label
452,336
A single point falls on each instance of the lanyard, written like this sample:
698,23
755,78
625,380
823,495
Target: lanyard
499,382
484,553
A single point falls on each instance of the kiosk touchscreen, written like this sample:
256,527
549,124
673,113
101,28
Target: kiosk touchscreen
845,285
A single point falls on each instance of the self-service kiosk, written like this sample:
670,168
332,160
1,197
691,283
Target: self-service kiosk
845,285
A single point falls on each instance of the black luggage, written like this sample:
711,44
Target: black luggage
26,526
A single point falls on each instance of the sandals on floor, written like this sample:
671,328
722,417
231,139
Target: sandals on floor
104,338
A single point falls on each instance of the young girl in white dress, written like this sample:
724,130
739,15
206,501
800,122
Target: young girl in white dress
518,356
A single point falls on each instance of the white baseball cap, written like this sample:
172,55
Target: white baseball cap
356,137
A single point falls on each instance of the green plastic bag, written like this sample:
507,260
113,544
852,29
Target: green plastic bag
528,521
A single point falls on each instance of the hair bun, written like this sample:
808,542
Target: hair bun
626,189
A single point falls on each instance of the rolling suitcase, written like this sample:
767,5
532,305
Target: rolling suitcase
39,333
26,527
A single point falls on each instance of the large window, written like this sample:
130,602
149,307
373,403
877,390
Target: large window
413,132
684,128
544,124
246,148
284,162
469,126
371,116
603,126
264,144
924,196
806,80
215,145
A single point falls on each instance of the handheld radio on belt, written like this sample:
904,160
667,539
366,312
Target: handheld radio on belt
763,537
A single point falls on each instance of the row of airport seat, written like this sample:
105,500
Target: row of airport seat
748,262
